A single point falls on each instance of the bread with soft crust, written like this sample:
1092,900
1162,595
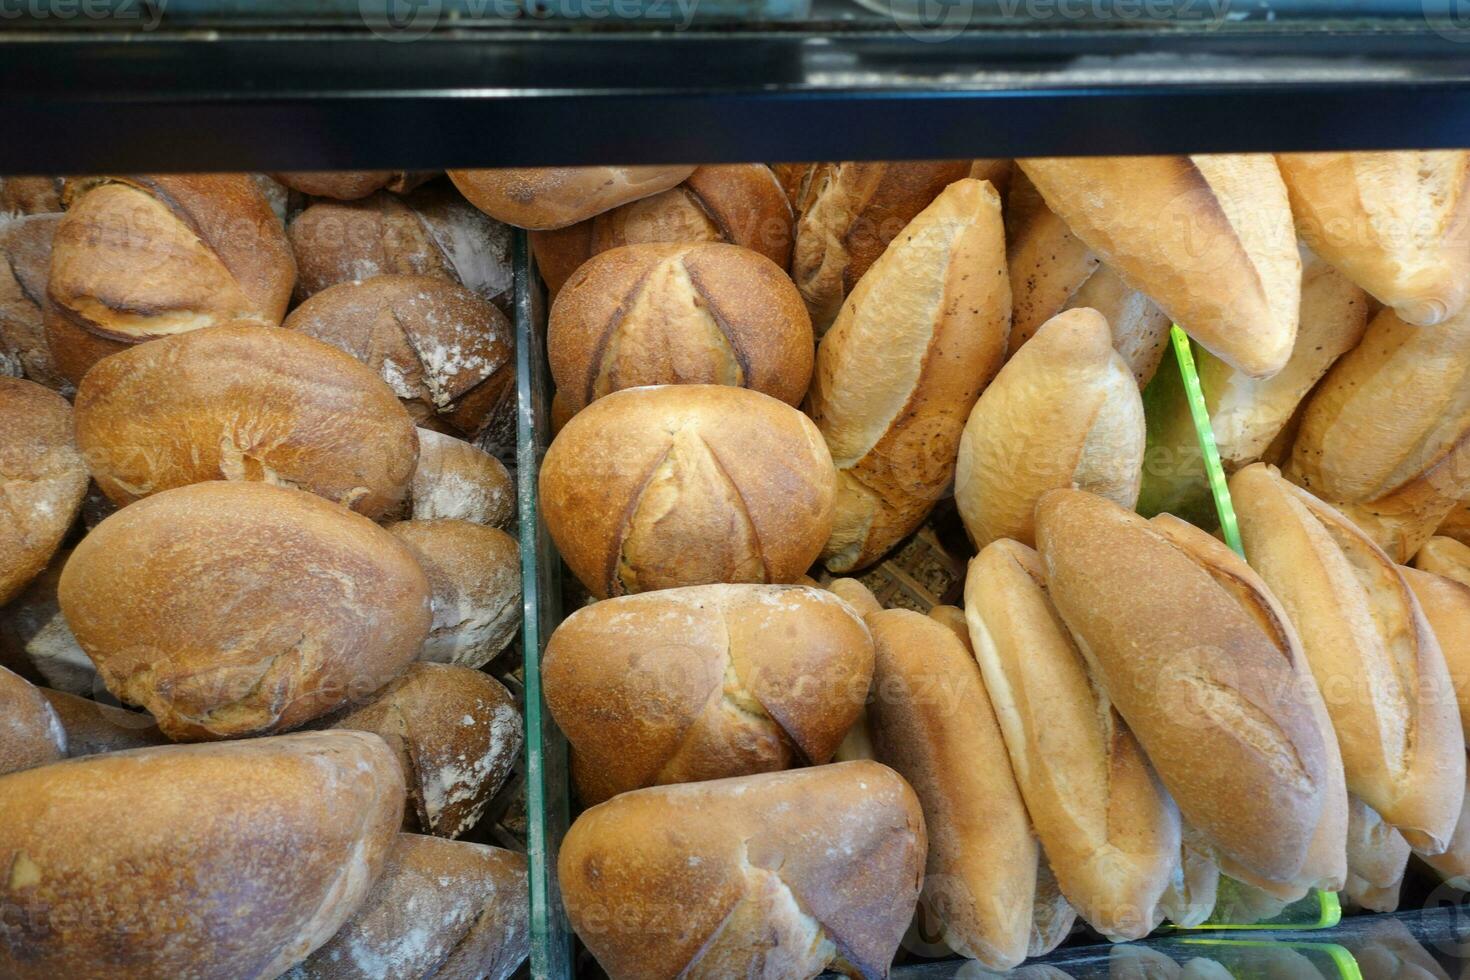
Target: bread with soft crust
459,481
92,727
25,264
30,732
541,198
652,488
234,860
349,185
1445,557
921,335
1446,606
232,609
1377,856
778,875
43,478
245,404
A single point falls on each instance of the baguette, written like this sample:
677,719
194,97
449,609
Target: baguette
43,478
541,198
1446,558
1377,856
1052,916
92,727
1190,898
1453,863
1446,606
30,732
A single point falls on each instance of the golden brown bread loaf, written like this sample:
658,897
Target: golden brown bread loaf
446,910
1445,557
25,263
980,877
1201,680
475,587
43,478
1064,412
92,727
700,881
1395,223
173,890
30,195
138,258
245,404
705,682
1208,238
456,480
1446,606
921,335
457,733
1377,856
651,488
35,641
678,314
30,732
1109,830
349,185
541,198
222,628
445,352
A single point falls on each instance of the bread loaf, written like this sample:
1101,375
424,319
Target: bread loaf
651,488
1453,863
706,682
1446,606
92,727
234,860
700,881
224,628
25,262
138,258
678,314
1110,832
1208,238
349,185
1377,856
1064,412
1445,557
35,641
245,404
457,481
896,376
43,479
30,195
30,733
446,910
542,198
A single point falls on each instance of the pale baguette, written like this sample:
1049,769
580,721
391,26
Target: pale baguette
1446,605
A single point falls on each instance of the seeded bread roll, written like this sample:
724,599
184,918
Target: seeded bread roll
245,404
1446,606
92,727
652,488
349,185
224,628
35,641
25,263
234,860
542,198
43,478
30,733
458,481
1377,856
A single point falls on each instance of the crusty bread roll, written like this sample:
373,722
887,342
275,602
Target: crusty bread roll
651,488
1395,223
1193,885
1208,238
1064,412
137,258
25,263
1445,557
30,732
447,910
1446,606
847,213
1202,681
458,481
778,875
1377,856
245,404
230,609
475,582
541,198
31,195
896,376
35,641
445,352
980,876
1372,652
43,479
706,682
678,314
92,727
1110,832
232,860
457,733
349,185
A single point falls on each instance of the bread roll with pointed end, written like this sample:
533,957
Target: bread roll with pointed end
1064,412
475,583
1446,606
30,732
1046,262
981,870
652,488
1372,652
42,477
1377,856
1140,329
896,376
245,404
855,594
25,265
1395,223
1110,832
706,682
247,626
678,314
1208,238
455,480
92,727
1202,681
318,812
1052,917
541,198
450,910
1190,898
1446,558
701,880
349,185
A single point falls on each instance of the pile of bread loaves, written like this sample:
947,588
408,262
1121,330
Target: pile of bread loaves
762,370
278,532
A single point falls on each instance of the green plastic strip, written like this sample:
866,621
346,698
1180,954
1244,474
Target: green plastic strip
1339,956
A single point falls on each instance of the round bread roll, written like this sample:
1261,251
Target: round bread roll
245,404
231,609
475,580
651,488
705,682
25,262
233,860
138,258
678,314
30,195
92,727
447,910
458,481
349,185
35,641
554,197
457,733
43,479
30,733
